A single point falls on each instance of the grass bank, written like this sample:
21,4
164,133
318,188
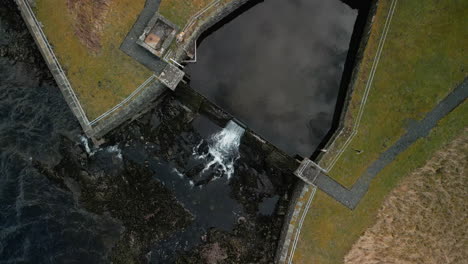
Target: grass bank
102,77
423,59
330,229
180,11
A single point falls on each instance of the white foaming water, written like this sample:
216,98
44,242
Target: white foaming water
223,149
84,141
115,149
91,151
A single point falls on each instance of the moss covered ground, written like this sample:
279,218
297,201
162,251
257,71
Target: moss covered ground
180,11
102,77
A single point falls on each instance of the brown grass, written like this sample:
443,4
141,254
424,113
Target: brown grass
88,19
180,11
424,219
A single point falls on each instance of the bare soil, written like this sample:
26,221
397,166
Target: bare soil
423,220
89,17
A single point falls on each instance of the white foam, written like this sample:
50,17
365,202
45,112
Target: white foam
115,149
176,171
84,141
223,149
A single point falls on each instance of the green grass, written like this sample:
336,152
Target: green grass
330,229
423,59
100,80
180,11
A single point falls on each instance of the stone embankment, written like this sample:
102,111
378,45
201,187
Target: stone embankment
45,48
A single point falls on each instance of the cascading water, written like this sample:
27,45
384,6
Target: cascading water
223,150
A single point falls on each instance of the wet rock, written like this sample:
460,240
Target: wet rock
213,253
148,210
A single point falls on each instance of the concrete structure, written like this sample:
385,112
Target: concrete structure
148,42
158,35
171,76
308,171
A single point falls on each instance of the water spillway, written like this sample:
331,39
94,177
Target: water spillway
222,151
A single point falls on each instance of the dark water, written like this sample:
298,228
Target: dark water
278,67
135,198
39,221
254,192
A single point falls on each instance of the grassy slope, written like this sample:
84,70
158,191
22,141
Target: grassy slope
102,80
422,60
180,11
331,229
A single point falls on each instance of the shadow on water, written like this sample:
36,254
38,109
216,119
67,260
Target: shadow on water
234,15
363,8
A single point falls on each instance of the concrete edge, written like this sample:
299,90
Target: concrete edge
204,25
292,215
143,102
47,53
350,89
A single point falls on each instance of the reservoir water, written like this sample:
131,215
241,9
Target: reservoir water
277,67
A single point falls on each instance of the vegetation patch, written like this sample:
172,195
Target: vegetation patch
422,60
88,19
180,11
330,229
101,77
423,220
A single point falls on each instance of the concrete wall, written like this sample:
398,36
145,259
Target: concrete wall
143,102
54,66
290,220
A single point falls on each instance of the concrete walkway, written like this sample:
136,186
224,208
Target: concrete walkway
419,129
